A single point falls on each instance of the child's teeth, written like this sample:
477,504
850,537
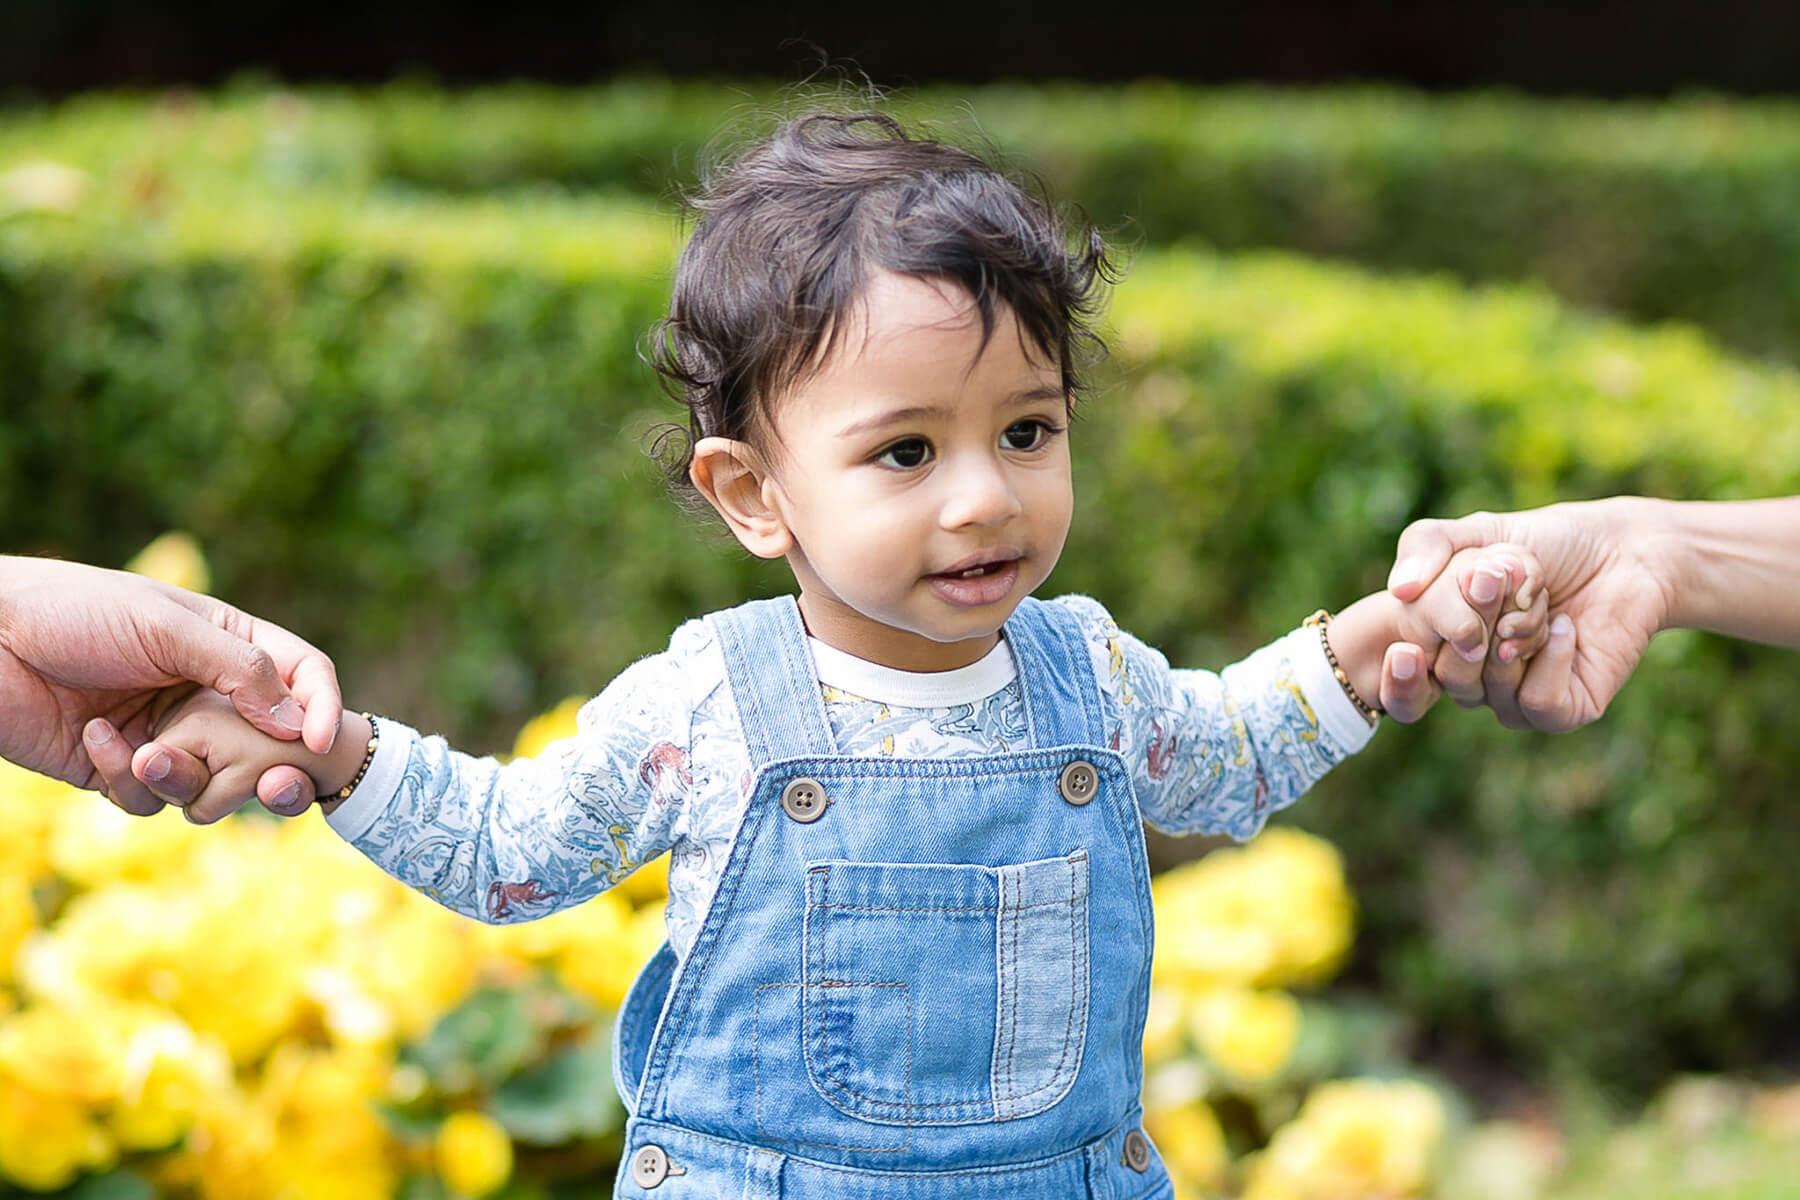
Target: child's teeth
974,571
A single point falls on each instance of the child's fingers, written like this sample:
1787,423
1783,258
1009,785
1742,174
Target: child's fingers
1407,689
1484,587
1521,634
229,791
111,755
1460,679
1545,697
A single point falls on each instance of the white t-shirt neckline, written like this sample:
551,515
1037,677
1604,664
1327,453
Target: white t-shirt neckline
913,689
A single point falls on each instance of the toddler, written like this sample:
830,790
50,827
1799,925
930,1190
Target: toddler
909,912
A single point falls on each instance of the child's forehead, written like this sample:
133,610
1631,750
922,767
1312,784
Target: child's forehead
895,316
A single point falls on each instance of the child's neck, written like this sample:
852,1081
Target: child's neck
844,629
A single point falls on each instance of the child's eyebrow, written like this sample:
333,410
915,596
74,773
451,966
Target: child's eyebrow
928,412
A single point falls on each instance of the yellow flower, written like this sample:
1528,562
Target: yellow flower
545,728
18,918
396,969
1192,1144
29,805
77,1053
94,843
649,884
1353,1139
615,944
172,1078
1163,1038
1273,913
474,1153
46,1138
1247,1034
174,558
307,1131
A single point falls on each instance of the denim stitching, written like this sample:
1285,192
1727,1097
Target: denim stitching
756,1060
1077,958
1006,971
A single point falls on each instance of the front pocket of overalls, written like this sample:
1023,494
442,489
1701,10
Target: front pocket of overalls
945,994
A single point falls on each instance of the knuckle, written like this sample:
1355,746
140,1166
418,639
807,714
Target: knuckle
259,665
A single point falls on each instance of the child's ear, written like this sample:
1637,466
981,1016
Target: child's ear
735,481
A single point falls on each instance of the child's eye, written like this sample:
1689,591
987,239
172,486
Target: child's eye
907,454
1028,435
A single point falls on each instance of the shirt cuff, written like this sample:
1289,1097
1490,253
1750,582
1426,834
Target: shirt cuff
1338,717
380,783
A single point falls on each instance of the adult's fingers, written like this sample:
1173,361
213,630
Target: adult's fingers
253,662
286,791
1546,697
111,755
169,773
1426,545
1407,689
316,686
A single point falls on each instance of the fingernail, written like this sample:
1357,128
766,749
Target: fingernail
289,715
287,800
1526,594
1406,664
1484,588
1473,654
1405,571
1507,652
98,733
1561,625
158,768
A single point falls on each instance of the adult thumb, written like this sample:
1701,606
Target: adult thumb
1426,545
195,649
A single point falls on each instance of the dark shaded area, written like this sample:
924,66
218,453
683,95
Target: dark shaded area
1609,48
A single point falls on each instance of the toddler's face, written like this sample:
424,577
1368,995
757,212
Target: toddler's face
923,477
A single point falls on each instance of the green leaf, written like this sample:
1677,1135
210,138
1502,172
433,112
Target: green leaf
115,1185
423,1187
567,1098
486,1039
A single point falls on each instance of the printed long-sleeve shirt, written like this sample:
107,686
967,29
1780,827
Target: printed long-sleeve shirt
659,763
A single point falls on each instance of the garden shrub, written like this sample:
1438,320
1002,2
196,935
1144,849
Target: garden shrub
1672,209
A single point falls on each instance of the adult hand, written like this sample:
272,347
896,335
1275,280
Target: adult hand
85,653
1608,597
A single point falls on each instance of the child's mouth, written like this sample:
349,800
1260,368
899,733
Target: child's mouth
983,583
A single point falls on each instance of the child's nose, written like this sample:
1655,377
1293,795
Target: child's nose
979,494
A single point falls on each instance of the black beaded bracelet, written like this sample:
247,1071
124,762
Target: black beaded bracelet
1320,620
343,793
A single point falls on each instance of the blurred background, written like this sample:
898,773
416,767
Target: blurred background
338,312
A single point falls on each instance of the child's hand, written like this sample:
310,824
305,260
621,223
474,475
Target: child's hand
1472,628
235,753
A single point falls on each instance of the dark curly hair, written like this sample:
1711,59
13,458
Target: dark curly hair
788,235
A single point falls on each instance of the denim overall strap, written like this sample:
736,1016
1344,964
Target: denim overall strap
1062,699
773,681
774,685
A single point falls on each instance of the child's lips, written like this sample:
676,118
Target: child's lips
977,584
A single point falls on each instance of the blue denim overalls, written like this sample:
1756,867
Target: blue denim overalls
920,979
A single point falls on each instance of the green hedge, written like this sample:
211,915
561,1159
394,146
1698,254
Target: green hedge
1680,209
409,426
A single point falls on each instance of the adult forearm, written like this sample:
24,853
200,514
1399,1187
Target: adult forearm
1732,567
